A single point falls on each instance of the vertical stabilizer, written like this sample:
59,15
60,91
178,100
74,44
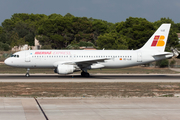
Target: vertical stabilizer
158,40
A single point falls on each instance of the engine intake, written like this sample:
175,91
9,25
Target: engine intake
64,69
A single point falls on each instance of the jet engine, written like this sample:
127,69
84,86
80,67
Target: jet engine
64,69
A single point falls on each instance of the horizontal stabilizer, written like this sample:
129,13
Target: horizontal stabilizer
163,53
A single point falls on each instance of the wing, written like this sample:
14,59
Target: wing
81,63
87,63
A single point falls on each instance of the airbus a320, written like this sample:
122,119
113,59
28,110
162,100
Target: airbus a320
69,61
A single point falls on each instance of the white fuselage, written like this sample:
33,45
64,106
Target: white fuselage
51,58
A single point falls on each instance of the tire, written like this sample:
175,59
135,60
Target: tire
85,74
27,75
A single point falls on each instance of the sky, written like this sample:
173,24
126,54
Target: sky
109,10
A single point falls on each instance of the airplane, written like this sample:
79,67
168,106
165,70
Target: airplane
69,61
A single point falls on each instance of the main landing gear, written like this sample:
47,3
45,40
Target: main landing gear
27,73
84,74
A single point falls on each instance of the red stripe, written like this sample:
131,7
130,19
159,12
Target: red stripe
155,41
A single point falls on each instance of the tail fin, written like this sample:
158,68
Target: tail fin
158,40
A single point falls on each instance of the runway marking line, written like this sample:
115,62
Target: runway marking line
41,109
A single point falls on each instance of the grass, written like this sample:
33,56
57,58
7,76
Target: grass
89,89
13,70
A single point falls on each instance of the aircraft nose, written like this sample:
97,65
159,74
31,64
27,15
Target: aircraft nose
7,61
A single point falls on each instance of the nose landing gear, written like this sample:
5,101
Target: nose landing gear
27,73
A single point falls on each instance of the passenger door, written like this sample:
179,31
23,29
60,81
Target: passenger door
27,57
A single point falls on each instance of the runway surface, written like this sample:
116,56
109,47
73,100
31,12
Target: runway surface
92,78
90,109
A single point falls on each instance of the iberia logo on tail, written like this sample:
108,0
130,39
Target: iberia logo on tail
158,41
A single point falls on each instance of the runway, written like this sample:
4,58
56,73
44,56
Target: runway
90,109
92,78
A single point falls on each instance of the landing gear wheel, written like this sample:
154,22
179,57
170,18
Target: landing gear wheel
27,75
85,74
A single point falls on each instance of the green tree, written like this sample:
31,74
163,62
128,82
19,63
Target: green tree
136,30
2,35
54,32
44,40
101,27
162,63
112,41
69,15
14,38
25,25
54,16
8,25
58,41
85,44
68,29
4,47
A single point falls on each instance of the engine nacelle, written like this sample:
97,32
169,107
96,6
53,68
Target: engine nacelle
64,69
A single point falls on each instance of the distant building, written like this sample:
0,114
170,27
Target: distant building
20,48
26,47
37,45
178,36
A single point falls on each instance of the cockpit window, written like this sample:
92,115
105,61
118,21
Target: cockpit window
15,56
